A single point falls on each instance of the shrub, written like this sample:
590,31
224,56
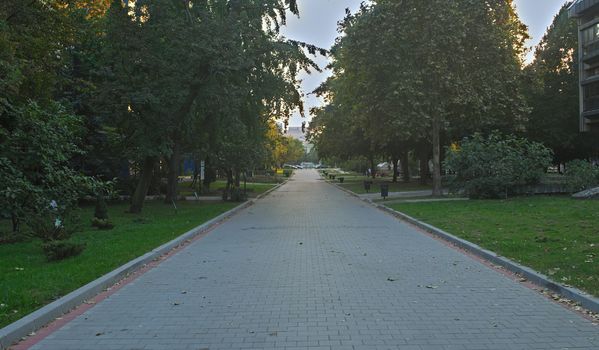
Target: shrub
581,175
54,224
237,195
34,163
59,250
10,237
102,224
101,209
102,190
491,167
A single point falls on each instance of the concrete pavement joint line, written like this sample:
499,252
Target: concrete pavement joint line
586,301
49,313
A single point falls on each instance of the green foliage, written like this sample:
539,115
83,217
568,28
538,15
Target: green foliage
408,72
295,150
102,224
60,250
196,79
358,165
101,209
36,145
490,167
581,175
281,149
40,138
237,195
54,223
552,91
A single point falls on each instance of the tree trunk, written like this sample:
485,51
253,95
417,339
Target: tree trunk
227,190
424,169
395,169
156,182
237,178
372,168
174,163
405,166
179,117
436,156
423,156
15,223
138,198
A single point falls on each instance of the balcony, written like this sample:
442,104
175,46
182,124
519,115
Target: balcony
590,53
582,6
591,105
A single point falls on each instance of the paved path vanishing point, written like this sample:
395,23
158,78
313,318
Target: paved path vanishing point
310,267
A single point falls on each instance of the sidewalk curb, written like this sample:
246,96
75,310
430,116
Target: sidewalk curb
261,196
585,300
15,331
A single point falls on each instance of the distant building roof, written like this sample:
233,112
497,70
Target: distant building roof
296,133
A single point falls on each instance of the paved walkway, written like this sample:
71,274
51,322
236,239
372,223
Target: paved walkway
310,267
406,194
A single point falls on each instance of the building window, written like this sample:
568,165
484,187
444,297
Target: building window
591,97
590,34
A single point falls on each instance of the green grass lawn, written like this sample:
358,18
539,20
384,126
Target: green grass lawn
557,235
355,183
28,281
253,189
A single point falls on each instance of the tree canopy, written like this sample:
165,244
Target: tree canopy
407,72
92,90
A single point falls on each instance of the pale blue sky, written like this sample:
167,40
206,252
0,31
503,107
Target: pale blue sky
318,24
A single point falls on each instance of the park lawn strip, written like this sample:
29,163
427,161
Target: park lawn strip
29,282
253,189
555,235
358,186
355,183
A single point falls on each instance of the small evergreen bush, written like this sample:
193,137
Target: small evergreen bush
54,224
60,250
102,224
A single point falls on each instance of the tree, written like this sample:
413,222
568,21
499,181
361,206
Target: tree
486,38
295,150
38,135
335,134
553,93
34,154
407,73
174,67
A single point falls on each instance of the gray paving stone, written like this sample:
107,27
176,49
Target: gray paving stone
310,267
